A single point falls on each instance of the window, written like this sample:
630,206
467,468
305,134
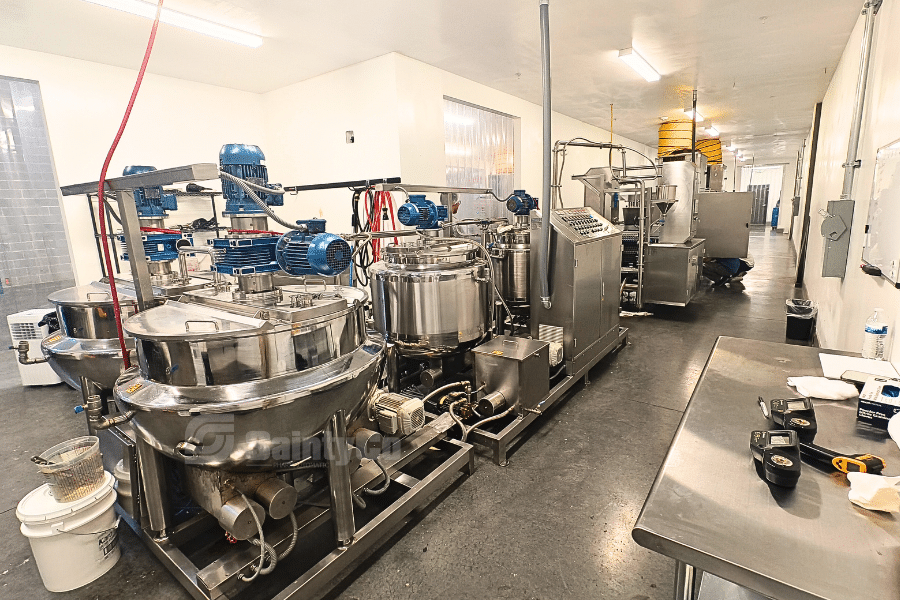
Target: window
479,146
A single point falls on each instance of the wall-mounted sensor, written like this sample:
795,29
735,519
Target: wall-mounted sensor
350,138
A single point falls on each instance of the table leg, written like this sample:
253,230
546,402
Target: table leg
684,581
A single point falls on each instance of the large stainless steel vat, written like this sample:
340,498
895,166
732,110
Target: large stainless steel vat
431,298
243,385
87,344
511,255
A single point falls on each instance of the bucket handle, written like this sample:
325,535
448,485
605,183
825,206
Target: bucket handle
105,295
57,527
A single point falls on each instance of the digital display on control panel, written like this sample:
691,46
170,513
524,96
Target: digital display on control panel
583,222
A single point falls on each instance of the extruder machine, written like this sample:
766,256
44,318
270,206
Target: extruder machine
259,445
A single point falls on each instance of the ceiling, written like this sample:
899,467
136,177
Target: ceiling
759,67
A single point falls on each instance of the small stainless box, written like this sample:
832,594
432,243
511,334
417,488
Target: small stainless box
519,368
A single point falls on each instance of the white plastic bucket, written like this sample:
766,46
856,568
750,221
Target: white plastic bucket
73,543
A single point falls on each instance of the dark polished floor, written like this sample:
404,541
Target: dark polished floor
554,524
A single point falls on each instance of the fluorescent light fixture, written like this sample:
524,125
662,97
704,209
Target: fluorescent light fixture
689,112
711,130
171,17
637,62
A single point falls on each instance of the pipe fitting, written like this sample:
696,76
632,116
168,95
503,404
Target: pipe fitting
23,349
94,409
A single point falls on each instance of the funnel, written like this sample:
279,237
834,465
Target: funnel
665,198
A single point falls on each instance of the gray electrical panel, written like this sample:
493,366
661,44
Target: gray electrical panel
836,230
584,279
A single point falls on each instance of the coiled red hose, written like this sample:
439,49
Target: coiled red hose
102,203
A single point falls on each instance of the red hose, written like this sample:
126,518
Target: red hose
100,189
158,230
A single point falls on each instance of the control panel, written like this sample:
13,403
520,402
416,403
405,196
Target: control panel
582,223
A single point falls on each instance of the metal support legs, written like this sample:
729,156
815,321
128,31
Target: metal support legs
341,494
684,581
153,484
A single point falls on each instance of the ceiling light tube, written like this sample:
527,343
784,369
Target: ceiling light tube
178,19
689,112
711,130
637,62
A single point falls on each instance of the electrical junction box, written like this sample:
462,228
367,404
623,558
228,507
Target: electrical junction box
879,400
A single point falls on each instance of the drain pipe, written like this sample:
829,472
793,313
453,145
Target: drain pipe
871,9
547,151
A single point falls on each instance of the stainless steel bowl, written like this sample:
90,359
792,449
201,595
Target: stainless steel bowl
241,386
87,344
431,298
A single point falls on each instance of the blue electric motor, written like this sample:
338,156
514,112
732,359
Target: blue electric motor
245,255
422,213
152,203
245,161
521,203
313,252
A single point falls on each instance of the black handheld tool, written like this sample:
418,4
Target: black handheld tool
845,463
779,454
794,413
798,414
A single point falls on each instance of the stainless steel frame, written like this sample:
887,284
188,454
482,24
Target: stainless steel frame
499,442
218,579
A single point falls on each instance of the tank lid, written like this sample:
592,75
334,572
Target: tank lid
295,303
93,294
430,252
190,322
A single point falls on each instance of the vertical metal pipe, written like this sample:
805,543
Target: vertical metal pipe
694,129
131,227
870,9
341,494
96,234
154,488
544,258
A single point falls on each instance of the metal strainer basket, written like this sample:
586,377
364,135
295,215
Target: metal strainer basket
75,468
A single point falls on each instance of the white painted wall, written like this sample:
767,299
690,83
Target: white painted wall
306,125
845,304
173,122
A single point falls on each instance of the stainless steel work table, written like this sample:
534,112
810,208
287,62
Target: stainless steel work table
710,510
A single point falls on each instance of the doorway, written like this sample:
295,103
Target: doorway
760,203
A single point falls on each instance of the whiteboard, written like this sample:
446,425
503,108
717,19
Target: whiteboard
882,240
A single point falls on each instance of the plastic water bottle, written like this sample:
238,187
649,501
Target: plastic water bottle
876,336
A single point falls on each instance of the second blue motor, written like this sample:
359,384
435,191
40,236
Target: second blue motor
422,213
313,252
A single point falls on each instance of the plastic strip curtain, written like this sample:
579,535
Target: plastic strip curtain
770,175
480,152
